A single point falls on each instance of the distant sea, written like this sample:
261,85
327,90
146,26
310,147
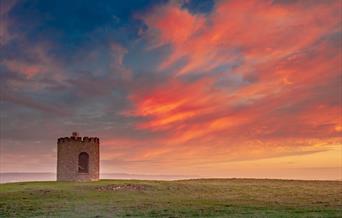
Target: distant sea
25,177
299,174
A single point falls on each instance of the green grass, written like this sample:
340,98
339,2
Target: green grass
187,198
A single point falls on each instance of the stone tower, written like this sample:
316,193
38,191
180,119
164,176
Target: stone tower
78,159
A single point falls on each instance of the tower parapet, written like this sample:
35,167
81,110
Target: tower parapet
79,139
78,158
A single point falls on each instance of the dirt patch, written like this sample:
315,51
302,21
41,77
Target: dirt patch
125,187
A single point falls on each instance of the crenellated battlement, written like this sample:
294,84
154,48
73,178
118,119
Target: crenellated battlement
76,138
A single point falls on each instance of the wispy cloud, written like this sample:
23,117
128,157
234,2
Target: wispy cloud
169,87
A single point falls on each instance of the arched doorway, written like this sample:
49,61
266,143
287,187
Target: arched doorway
83,162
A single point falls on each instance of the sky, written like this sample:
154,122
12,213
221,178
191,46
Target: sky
195,88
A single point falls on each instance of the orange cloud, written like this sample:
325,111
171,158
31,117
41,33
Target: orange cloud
285,100
173,24
260,30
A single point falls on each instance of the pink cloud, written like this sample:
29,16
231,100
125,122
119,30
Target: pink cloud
28,69
284,104
258,30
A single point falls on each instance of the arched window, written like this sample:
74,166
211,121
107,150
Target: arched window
83,162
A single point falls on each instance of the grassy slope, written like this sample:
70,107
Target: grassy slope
201,198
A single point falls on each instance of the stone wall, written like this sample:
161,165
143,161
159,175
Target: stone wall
68,150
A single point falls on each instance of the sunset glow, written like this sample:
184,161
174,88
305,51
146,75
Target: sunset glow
191,88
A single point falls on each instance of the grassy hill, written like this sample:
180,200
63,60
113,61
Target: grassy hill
187,198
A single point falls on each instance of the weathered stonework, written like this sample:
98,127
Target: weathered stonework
78,159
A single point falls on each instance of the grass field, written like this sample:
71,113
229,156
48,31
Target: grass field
186,198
